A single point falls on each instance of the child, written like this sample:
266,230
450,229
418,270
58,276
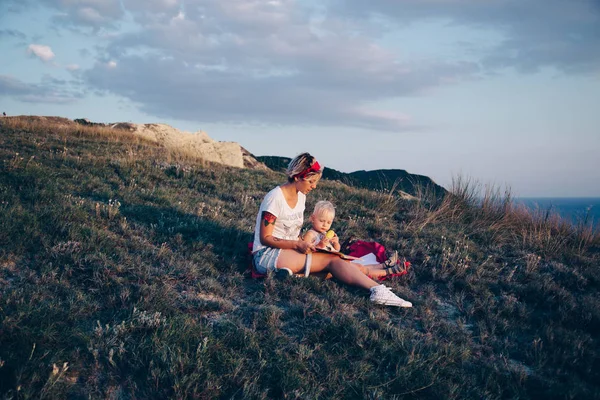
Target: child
321,220
322,237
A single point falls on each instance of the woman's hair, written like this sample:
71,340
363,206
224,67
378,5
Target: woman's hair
299,165
323,207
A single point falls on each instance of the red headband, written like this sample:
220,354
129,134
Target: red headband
313,168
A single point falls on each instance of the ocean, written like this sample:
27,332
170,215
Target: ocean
574,209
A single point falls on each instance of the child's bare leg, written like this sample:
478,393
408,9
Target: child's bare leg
390,262
373,270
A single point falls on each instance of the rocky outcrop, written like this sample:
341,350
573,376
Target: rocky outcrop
198,143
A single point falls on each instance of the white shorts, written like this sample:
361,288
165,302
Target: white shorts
265,259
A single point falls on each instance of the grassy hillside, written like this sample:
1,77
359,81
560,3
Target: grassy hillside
385,180
121,267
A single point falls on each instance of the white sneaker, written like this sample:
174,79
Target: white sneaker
383,295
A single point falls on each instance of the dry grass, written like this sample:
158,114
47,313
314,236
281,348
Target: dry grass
491,212
68,129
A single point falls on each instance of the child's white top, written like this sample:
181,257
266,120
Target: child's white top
319,238
289,220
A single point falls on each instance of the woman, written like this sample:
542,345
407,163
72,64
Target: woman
277,245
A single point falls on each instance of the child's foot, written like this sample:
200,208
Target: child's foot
391,261
400,269
383,295
397,270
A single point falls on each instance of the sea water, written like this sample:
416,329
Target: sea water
573,209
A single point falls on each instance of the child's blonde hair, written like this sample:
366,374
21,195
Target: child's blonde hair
323,207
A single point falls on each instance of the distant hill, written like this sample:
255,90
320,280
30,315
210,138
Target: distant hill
380,179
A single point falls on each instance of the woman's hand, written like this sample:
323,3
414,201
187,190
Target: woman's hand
304,247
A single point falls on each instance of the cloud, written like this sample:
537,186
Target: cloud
13,7
72,67
89,15
84,53
262,62
94,14
170,89
74,14
152,6
12,33
293,62
536,33
42,52
12,86
50,90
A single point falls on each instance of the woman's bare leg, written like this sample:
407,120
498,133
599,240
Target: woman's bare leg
342,270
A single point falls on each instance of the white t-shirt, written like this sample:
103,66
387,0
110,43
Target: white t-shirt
289,220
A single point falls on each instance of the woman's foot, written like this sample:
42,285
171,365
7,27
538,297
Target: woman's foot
383,295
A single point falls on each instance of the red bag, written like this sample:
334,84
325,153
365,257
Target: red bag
360,248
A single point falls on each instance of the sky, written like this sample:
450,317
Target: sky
505,93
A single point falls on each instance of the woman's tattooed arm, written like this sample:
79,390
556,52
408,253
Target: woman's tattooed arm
268,218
